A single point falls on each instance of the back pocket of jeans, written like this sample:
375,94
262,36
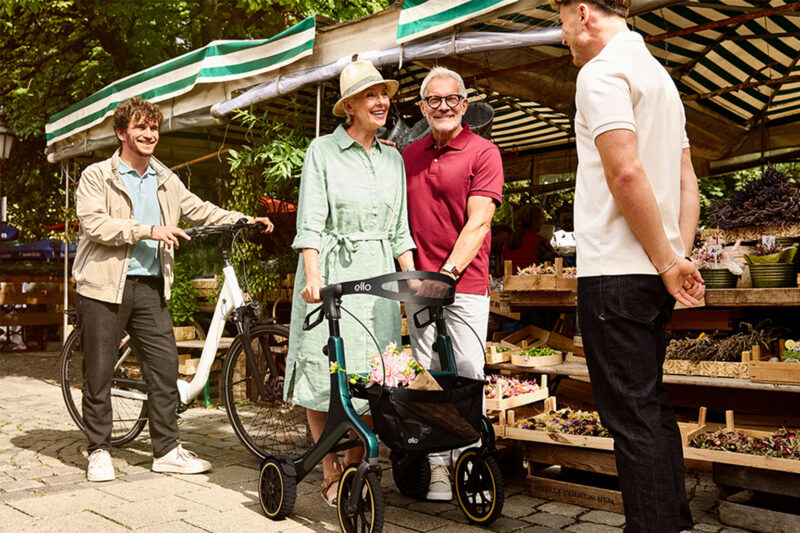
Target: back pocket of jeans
641,298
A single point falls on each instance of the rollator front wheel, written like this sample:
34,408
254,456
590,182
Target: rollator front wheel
479,487
412,474
277,490
368,514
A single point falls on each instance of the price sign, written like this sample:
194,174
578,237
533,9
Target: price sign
715,249
768,241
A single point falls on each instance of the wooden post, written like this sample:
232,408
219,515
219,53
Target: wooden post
755,353
701,417
728,421
508,268
746,356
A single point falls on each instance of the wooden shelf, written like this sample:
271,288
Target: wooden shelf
580,370
510,301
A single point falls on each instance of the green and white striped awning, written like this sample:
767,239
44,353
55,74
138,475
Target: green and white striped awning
423,17
219,61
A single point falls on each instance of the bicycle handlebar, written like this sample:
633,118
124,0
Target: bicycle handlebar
206,231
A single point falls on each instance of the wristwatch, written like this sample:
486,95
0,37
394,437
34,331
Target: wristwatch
451,269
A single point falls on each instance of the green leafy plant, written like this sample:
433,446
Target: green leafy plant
538,352
182,304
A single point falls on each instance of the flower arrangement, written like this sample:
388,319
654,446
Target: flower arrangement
791,350
783,444
546,268
510,387
702,257
573,422
399,367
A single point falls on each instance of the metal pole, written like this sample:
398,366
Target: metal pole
65,322
319,108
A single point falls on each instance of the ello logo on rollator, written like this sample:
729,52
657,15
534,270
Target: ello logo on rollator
362,287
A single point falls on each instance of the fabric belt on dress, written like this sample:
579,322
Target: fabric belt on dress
346,244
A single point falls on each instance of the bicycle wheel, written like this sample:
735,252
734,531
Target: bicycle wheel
267,426
479,487
368,515
128,396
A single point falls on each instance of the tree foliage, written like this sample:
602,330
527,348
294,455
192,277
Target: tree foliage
54,53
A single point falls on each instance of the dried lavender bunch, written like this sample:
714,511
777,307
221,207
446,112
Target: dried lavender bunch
769,200
719,347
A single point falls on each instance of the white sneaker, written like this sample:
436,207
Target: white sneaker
439,490
100,467
180,461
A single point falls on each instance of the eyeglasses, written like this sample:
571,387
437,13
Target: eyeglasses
452,100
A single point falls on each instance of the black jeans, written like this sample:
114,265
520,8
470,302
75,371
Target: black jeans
622,323
143,314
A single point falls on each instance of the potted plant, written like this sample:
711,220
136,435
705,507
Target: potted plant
718,269
182,304
771,265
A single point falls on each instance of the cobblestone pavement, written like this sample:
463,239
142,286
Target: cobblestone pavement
43,485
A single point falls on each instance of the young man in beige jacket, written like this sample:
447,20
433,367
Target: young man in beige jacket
129,207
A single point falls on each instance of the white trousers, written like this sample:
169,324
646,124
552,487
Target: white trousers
468,350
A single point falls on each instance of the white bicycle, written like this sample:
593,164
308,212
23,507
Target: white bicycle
252,374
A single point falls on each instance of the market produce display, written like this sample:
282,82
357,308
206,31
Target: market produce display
566,420
769,200
500,349
791,350
537,352
721,347
547,268
511,387
783,444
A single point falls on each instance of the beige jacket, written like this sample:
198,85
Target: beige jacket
108,229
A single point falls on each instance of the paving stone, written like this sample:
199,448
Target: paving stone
147,488
549,519
412,520
506,524
220,499
539,529
604,517
564,509
249,519
65,503
710,528
458,528
733,530
592,528
149,512
178,526
83,521
10,518
433,508
521,505
397,499
22,485
63,479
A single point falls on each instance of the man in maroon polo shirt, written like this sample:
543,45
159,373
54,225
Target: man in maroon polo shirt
454,181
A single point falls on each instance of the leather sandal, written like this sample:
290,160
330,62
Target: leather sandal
326,484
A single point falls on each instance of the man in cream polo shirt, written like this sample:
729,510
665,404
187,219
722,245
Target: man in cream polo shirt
636,212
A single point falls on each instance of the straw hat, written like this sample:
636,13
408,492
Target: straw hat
356,77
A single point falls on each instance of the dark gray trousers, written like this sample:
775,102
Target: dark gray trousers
143,314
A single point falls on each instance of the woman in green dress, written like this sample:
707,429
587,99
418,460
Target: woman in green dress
351,223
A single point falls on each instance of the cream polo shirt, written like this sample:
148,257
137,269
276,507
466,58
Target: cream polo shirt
624,87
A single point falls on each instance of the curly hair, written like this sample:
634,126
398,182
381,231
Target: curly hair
137,108
609,7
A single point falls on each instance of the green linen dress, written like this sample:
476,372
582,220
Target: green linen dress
352,209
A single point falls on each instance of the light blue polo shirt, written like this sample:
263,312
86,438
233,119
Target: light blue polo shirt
143,191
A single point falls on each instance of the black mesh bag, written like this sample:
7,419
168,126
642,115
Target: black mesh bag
413,421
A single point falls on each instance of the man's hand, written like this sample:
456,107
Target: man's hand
684,282
430,288
310,292
264,221
388,143
168,235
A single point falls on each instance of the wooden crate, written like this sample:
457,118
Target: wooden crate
773,372
536,362
498,403
758,499
539,282
493,356
594,485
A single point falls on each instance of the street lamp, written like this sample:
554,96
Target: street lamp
7,137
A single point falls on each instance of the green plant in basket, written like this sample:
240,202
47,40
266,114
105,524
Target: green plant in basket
772,254
537,352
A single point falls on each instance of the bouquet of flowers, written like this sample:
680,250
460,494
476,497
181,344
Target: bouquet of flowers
573,422
398,366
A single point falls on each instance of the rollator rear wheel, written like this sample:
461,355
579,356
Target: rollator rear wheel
368,516
277,490
479,487
412,474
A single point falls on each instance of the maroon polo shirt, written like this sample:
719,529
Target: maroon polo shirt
438,184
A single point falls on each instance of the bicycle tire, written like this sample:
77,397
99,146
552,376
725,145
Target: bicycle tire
129,414
479,487
369,514
265,426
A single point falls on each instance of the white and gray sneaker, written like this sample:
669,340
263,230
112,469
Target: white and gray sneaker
439,490
100,467
180,461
